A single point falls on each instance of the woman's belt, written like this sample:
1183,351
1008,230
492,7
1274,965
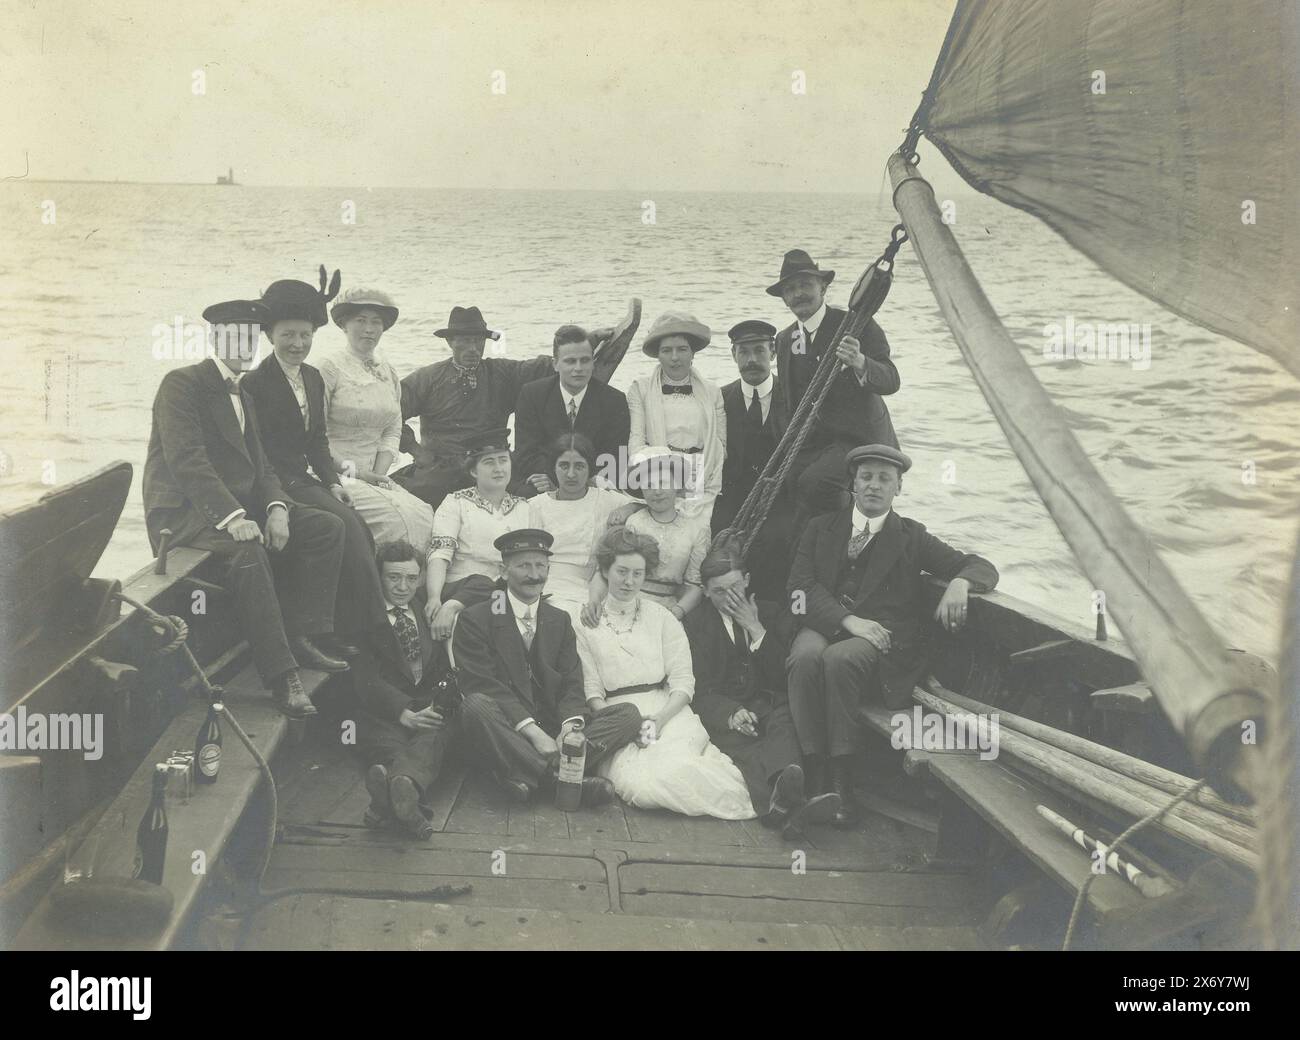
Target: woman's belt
686,451
639,688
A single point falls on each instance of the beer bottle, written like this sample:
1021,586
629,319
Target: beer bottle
207,748
573,764
151,838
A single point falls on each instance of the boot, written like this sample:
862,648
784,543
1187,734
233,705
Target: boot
291,698
405,797
815,778
842,784
787,798
309,656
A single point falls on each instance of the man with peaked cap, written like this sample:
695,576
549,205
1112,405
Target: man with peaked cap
290,398
208,482
853,411
455,399
517,665
756,422
857,588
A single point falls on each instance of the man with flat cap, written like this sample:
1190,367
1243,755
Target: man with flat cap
517,665
208,482
857,587
853,411
756,421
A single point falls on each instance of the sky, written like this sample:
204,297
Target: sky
591,94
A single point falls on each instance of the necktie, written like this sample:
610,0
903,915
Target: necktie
573,414
408,635
859,542
685,388
529,630
232,386
754,414
741,638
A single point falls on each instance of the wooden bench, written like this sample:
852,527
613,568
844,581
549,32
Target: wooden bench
984,797
203,826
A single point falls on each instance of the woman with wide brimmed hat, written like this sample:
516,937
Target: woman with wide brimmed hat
464,562
677,408
363,417
662,479
290,399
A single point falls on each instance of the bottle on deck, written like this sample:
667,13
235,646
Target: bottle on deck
207,748
151,838
573,764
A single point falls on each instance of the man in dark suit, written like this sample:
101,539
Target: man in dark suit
738,651
290,398
853,411
756,422
857,585
403,728
516,661
568,402
207,481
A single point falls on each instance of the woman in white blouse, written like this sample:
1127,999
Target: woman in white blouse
464,565
363,420
638,654
576,515
677,408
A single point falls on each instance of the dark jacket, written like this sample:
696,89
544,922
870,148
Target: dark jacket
891,591
540,417
197,454
851,412
739,472
490,658
726,680
290,444
384,681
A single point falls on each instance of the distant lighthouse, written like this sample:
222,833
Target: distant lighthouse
229,178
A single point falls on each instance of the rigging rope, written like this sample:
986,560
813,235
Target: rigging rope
866,299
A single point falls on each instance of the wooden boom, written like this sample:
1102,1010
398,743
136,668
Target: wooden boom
1206,695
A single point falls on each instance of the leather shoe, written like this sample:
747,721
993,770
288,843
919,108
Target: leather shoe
380,808
309,656
516,790
841,784
787,797
345,649
405,798
596,790
818,809
291,698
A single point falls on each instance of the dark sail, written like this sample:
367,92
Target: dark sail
1199,123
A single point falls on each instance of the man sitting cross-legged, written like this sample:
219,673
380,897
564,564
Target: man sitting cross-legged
517,665
402,731
738,649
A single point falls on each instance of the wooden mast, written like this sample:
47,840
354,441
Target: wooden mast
1210,700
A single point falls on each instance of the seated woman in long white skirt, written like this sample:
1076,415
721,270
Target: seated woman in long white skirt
638,653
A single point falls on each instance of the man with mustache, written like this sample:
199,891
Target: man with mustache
516,661
455,399
853,411
756,421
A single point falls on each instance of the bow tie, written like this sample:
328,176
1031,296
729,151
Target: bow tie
685,388
371,366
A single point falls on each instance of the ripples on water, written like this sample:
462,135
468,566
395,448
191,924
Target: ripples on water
82,298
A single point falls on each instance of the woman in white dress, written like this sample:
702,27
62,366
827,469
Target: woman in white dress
639,654
676,408
464,565
576,515
363,420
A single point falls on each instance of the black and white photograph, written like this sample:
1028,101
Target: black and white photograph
682,475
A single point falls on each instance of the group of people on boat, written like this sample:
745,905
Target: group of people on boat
494,600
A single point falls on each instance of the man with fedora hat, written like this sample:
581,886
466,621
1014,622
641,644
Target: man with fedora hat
857,588
208,482
455,399
853,411
517,664
756,422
